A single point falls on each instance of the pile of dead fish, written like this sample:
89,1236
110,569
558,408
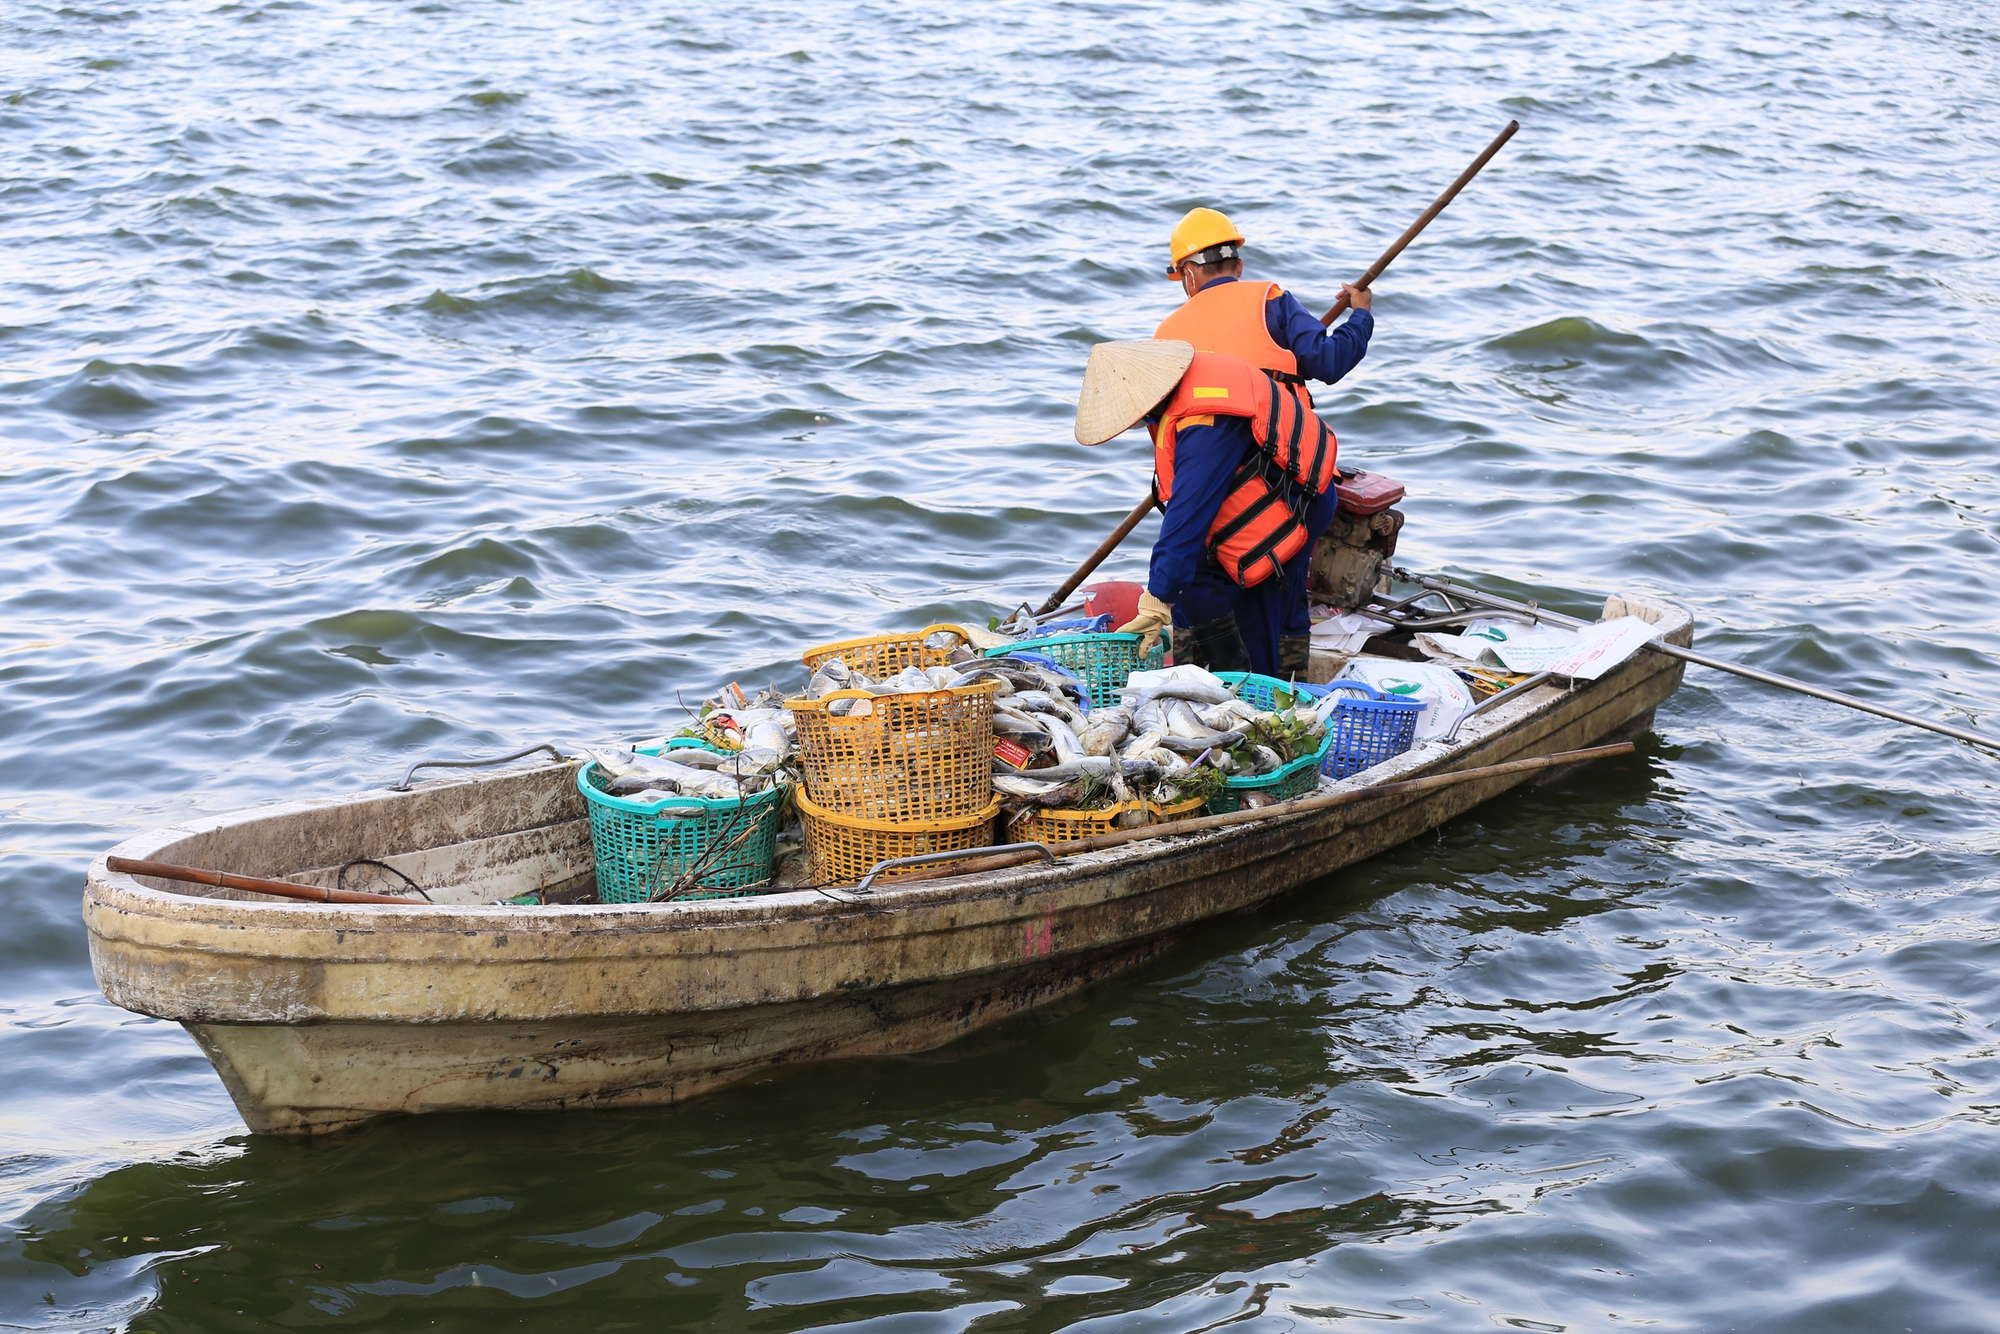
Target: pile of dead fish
745,747
1176,733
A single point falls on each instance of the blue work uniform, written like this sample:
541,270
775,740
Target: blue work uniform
1206,455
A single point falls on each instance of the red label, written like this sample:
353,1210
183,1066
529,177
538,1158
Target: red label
1012,753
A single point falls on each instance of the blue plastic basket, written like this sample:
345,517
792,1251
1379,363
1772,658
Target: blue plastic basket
1293,780
641,847
1103,661
1367,731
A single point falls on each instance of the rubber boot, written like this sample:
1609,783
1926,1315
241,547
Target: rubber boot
1216,645
1294,656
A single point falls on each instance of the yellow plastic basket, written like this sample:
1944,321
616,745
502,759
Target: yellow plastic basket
1038,826
885,655
903,758
841,849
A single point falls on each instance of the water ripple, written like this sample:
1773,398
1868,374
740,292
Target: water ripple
439,379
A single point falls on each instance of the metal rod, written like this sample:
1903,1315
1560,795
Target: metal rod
1831,696
1104,549
1439,584
1437,207
1494,701
284,889
404,784
927,858
1456,618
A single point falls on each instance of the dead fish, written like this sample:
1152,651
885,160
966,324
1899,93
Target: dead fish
1049,702
975,675
829,676
1148,715
1137,770
751,760
1182,722
1147,738
1064,796
767,736
1230,715
632,786
1018,785
1212,741
909,681
627,763
1015,723
1067,747
1105,729
1210,691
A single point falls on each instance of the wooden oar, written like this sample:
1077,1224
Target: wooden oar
1104,548
1437,207
195,875
1297,805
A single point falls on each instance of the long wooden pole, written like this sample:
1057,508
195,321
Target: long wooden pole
1296,806
285,889
1437,207
1104,549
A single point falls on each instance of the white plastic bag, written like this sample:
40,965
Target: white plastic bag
1585,654
1445,698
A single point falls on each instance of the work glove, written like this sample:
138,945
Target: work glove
1154,616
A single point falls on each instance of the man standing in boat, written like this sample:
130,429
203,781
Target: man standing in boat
1244,471
1220,622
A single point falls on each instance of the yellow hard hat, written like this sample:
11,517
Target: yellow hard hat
1202,229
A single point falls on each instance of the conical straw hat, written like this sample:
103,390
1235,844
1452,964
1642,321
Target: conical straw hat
1124,381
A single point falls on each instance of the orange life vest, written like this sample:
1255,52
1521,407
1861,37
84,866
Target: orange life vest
1229,317
1261,524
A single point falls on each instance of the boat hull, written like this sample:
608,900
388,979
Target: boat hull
318,1017
308,1078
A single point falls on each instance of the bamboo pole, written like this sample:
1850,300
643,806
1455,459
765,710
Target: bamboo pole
1437,207
1104,549
195,875
1296,806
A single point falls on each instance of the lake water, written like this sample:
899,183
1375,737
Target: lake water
389,380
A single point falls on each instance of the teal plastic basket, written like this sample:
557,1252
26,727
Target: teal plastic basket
1104,659
642,847
1296,779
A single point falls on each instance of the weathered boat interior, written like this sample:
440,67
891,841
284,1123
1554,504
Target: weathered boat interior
319,1016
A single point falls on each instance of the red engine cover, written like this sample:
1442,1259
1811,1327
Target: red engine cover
1119,601
1368,492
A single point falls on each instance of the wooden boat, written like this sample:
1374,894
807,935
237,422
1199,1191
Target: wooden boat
320,1016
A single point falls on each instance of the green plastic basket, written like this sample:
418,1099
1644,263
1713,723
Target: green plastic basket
642,846
1296,779
1104,659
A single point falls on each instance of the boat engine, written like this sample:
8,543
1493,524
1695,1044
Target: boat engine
1347,564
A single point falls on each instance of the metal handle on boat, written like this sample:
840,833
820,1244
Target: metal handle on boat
1518,688
549,746
927,858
